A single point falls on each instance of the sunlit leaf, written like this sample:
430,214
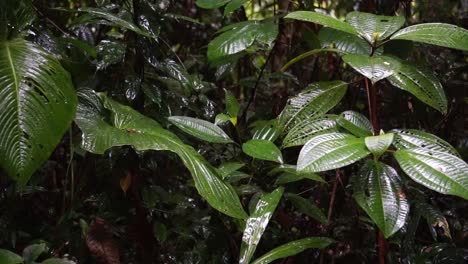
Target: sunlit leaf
128,127
316,100
322,19
263,150
355,123
439,171
37,102
293,248
372,27
201,129
306,207
375,68
377,190
331,151
257,223
379,144
412,138
308,128
440,34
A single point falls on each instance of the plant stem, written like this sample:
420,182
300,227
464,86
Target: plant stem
372,105
382,247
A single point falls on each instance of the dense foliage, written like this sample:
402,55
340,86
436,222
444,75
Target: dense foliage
233,131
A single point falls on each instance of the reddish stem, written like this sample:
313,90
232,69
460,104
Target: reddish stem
383,247
372,105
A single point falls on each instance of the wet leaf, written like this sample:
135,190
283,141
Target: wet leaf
379,144
263,150
308,128
356,123
372,27
322,19
375,68
201,129
412,138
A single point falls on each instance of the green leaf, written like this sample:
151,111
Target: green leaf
378,191
331,151
8,257
355,123
322,19
293,248
128,127
412,138
32,252
372,27
211,4
379,144
222,118
306,207
57,261
257,223
440,34
229,167
115,20
349,43
266,130
308,128
232,105
233,5
201,129
37,102
316,100
433,216
439,171
240,36
375,68
420,82
290,174
262,149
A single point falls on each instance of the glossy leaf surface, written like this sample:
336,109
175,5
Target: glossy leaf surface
37,102
308,128
306,207
201,129
128,127
316,100
293,248
412,138
350,43
322,19
377,190
355,123
266,130
420,82
8,257
374,68
331,151
379,144
372,27
257,223
439,171
263,150
439,34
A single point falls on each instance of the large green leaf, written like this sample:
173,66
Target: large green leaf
262,149
412,138
375,68
379,144
306,207
355,123
308,128
128,127
439,171
8,257
440,34
420,82
37,102
293,248
349,43
257,223
372,27
316,100
331,151
378,191
238,37
322,19
201,129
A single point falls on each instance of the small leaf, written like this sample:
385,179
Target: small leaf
322,19
201,129
375,68
439,171
440,34
229,167
420,82
266,130
378,191
211,4
379,144
233,5
308,128
293,248
306,207
262,149
331,151
8,257
290,174
412,138
433,216
316,100
257,223
355,123
232,106
222,118
372,27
